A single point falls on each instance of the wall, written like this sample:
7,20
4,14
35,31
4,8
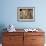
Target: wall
9,13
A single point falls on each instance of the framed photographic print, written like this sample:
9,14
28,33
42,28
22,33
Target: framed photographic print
26,14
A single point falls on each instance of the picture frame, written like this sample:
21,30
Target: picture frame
26,14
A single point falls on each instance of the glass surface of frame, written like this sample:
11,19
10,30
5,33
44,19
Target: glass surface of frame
26,14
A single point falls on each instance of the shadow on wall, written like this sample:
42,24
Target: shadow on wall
2,26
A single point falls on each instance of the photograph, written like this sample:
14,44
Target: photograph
25,14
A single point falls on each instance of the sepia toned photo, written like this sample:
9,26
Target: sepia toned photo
25,14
